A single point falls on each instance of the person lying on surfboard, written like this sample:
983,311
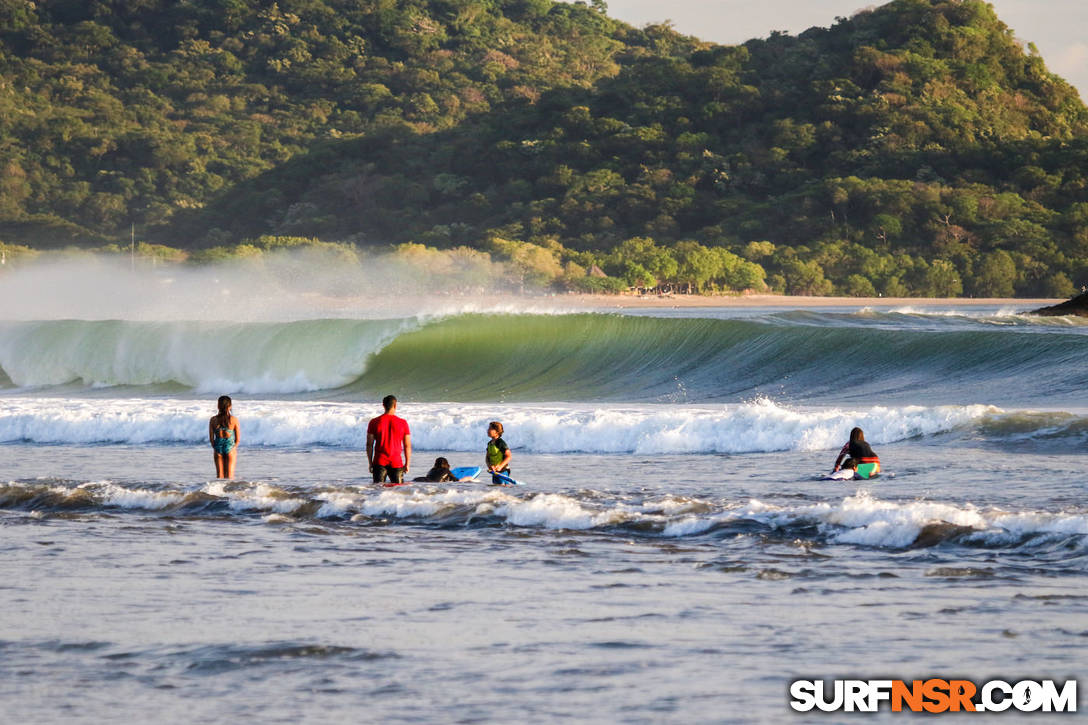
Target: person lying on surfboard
441,473
498,455
859,456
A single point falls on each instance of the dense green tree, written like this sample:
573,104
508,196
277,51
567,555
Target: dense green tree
735,273
995,276
915,146
697,264
635,275
858,286
942,280
805,278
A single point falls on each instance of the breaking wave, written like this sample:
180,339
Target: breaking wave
563,357
758,426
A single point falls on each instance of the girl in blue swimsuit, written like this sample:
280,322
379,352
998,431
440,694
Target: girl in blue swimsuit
223,435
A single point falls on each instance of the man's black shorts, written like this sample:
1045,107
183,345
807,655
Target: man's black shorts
396,475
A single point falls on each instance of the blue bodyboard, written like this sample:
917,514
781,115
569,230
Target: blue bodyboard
472,472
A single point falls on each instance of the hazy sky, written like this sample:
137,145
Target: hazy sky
1057,27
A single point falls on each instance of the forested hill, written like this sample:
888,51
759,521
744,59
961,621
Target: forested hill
916,148
129,110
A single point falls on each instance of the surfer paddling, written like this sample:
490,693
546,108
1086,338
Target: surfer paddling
388,444
223,434
859,456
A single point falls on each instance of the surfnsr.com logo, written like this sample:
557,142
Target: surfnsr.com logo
933,695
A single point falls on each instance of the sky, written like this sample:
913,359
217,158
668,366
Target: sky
1057,27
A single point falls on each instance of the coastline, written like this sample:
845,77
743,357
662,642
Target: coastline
589,302
794,301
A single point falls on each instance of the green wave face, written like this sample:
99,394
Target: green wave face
569,357
590,357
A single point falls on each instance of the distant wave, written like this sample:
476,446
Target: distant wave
860,520
571,357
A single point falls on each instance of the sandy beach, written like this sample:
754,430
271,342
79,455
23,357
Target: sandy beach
793,301
348,306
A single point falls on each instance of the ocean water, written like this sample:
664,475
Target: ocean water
672,556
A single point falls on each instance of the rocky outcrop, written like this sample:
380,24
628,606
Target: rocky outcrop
1076,306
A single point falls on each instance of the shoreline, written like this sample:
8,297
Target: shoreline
795,301
601,303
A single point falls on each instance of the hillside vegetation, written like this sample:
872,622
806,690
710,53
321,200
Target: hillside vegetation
913,149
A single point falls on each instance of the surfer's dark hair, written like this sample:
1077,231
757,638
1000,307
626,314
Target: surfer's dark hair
388,402
224,403
856,435
496,425
441,462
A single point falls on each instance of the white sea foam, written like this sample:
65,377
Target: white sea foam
869,521
691,525
335,504
873,522
761,426
418,502
551,511
862,519
265,498
675,506
746,428
113,494
1019,524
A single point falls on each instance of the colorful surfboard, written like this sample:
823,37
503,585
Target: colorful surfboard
501,479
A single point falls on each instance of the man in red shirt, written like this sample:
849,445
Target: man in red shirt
388,444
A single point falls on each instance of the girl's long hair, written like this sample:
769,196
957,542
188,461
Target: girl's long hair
856,435
223,419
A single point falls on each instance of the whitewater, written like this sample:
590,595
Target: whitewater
673,556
